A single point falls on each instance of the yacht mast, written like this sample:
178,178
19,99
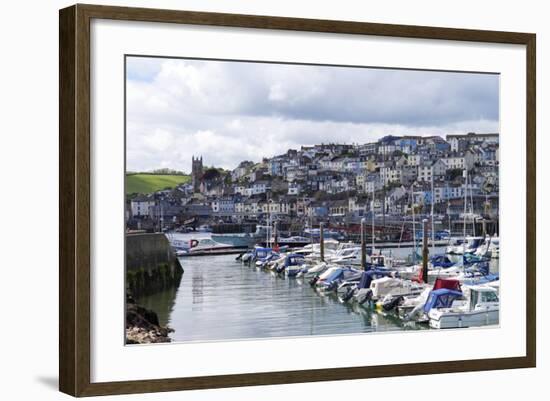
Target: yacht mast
414,221
472,207
432,211
465,205
372,213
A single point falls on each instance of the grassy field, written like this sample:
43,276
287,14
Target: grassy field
148,183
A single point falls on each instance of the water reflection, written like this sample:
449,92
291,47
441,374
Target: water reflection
221,299
197,285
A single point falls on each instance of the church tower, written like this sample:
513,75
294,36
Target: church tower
196,173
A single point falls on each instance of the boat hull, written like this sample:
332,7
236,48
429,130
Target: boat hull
457,320
235,240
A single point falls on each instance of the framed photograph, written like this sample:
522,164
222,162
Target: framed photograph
250,200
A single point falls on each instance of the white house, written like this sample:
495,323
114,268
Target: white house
294,188
390,174
258,187
459,161
141,205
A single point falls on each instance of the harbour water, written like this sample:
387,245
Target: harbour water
221,299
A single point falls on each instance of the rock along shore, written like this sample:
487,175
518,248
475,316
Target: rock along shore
142,325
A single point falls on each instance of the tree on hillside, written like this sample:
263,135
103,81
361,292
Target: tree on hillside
211,174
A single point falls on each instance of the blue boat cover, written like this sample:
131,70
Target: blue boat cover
370,275
294,259
336,274
482,280
442,298
477,268
262,251
441,261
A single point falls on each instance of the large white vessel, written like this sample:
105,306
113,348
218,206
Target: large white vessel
480,307
205,246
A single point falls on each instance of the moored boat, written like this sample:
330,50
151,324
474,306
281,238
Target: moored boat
205,246
479,307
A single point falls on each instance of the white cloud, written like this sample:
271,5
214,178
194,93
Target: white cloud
230,111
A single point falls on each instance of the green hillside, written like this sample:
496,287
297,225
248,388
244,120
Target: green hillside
148,183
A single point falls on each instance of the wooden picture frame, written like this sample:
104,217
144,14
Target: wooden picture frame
74,203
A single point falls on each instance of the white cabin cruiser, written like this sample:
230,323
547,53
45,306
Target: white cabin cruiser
205,246
480,307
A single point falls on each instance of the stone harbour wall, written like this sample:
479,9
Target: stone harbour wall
151,264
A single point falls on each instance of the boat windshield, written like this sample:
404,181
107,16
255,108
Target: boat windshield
479,297
489,296
348,252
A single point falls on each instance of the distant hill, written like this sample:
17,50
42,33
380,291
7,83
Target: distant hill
148,183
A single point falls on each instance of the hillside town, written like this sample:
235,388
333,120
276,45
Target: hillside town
337,183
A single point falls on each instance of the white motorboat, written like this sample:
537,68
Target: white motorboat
394,287
480,307
346,256
315,270
206,246
461,246
442,294
313,251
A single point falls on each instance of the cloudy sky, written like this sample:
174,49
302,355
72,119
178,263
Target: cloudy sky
233,111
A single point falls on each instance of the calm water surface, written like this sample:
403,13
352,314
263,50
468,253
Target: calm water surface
222,299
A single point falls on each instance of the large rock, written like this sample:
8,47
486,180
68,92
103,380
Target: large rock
142,325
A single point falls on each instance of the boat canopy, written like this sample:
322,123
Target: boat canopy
261,252
368,276
441,261
334,275
469,258
450,284
442,298
480,268
487,278
294,259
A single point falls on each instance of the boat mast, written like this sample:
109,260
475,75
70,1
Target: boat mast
414,220
472,207
363,245
311,228
372,212
464,220
268,228
449,217
465,203
432,211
